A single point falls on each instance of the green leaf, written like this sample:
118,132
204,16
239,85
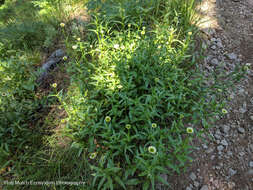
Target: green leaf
101,182
120,182
146,185
162,180
133,182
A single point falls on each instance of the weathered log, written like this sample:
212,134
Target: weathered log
55,58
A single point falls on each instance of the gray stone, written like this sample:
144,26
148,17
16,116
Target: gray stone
193,176
232,56
225,129
209,150
220,148
204,187
188,188
241,130
229,153
241,154
242,110
213,47
251,147
224,142
251,164
217,136
231,172
250,172
219,44
196,184
215,62
251,117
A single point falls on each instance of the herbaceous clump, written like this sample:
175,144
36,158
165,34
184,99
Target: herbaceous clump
135,92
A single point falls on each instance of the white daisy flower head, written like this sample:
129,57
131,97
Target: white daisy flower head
189,130
116,46
152,149
93,155
74,47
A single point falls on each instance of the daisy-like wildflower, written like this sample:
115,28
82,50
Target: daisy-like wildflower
78,39
62,24
64,58
143,32
189,130
128,126
159,47
54,85
93,155
152,149
129,25
224,111
74,47
189,33
153,125
116,46
107,119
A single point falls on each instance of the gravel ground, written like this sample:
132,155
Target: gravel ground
226,161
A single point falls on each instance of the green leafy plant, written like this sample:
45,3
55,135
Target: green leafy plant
135,90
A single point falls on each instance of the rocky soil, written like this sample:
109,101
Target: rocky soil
226,161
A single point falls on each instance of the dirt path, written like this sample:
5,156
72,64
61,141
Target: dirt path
226,163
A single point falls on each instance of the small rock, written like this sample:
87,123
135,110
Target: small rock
242,110
250,172
232,56
231,172
196,184
229,153
224,142
204,187
251,117
251,147
188,188
220,148
241,154
219,44
225,129
251,164
204,146
241,130
213,47
193,176
215,62
208,151
217,136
